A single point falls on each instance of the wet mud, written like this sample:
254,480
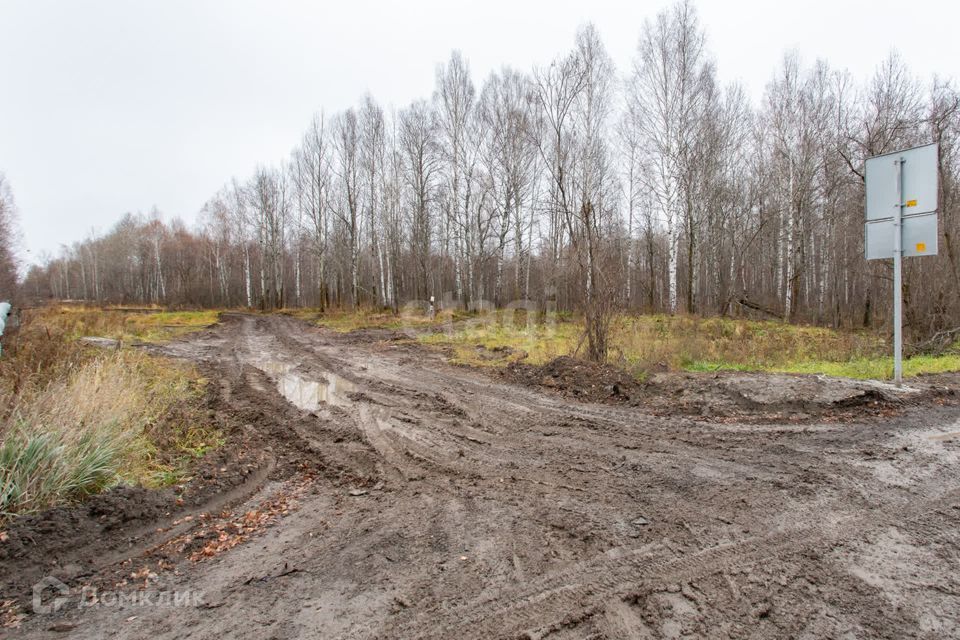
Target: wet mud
387,494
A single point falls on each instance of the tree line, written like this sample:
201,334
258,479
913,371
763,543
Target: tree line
9,242
654,188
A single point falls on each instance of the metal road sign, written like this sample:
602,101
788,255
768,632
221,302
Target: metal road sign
918,203
901,220
919,237
919,182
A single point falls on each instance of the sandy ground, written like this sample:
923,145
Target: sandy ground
396,496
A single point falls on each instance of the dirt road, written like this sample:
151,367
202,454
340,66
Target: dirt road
433,501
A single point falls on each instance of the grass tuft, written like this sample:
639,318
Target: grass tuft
41,468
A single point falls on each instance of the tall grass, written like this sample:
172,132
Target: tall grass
39,468
78,420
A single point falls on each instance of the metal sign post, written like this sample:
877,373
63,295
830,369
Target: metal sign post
907,181
898,276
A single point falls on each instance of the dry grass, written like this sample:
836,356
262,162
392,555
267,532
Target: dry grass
145,325
644,343
78,419
352,320
678,342
499,338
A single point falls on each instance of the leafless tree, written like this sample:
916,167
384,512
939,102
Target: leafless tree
9,241
669,93
660,191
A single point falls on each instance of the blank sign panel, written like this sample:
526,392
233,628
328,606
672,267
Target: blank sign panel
919,237
919,182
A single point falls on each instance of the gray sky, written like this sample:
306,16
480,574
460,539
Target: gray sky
115,106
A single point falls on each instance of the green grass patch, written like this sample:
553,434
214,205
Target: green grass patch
877,368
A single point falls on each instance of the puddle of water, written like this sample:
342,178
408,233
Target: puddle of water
946,436
308,394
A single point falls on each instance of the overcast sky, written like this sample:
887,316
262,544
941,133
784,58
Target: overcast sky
115,106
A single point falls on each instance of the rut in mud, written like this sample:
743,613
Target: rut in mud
438,502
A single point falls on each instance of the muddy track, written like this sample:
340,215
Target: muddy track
447,503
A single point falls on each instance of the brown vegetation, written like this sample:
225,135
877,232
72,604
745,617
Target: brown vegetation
76,419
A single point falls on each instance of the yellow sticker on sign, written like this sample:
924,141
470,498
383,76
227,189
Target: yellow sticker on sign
921,247
911,203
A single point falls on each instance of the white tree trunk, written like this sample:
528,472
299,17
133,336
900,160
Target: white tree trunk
246,275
